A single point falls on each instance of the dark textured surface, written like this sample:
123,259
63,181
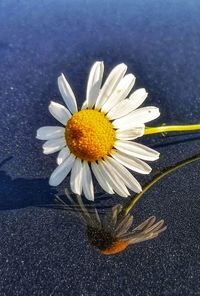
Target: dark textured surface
44,251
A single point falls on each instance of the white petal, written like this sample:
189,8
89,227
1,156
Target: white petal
121,91
76,177
130,134
50,132
120,109
100,178
111,82
88,188
113,180
84,106
59,112
61,172
138,97
62,155
137,150
124,175
126,106
132,162
136,117
94,83
52,146
67,93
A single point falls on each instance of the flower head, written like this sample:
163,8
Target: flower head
112,231
97,138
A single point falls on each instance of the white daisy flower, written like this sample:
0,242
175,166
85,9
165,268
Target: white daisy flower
97,139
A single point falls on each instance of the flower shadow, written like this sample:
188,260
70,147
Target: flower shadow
175,139
20,192
110,230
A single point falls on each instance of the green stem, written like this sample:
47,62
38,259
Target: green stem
171,128
168,171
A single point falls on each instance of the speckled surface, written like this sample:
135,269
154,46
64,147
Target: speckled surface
44,251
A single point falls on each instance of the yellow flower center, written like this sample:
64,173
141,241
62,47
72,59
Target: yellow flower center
90,135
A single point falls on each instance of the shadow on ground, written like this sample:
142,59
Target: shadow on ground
21,192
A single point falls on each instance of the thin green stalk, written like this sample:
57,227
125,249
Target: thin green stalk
168,171
171,128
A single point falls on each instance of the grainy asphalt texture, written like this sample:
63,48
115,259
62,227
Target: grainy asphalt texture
44,251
